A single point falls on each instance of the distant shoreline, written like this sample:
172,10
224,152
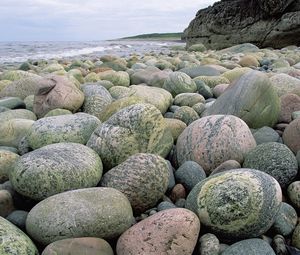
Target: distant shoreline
156,37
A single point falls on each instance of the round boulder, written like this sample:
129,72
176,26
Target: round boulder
130,177
291,135
240,203
73,128
91,212
212,140
171,231
136,128
275,159
56,168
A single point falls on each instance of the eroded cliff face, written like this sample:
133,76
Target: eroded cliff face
265,23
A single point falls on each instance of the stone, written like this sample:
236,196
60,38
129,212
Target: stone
227,23
219,89
275,159
29,102
293,192
296,237
96,99
200,70
17,114
188,99
212,81
79,246
285,220
51,68
291,135
186,114
199,108
265,135
136,128
120,78
204,89
289,103
73,128
91,212
175,126
118,92
236,73
249,61
284,84
54,169
225,166
12,131
179,82
57,92
240,203
252,98
12,102
173,231
189,174
18,218
14,75
57,112
6,203
178,192
14,241
209,245
165,205
7,160
131,176
213,140
197,47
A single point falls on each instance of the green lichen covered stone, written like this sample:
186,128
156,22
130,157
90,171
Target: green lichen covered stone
12,102
119,92
12,131
186,114
54,169
91,77
197,47
120,78
179,82
96,98
54,67
275,159
17,114
57,112
240,203
212,81
252,246
91,212
252,98
130,177
13,241
7,160
188,99
176,127
4,83
14,75
75,128
136,128
236,73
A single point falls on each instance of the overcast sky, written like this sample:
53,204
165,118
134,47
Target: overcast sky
65,20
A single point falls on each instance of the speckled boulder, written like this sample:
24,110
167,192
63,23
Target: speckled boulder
130,177
284,83
12,102
75,128
57,92
175,126
275,159
172,231
158,97
289,104
136,128
293,192
57,112
212,81
212,140
252,98
265,135
56,168
6,203
96,98
119,92
285,220
209,245
7,160
252,246
79,246
186,114
117,78
188,99
291,135
17,114
296,237
14,75
91,212
178,83
12,131
240,203
14,241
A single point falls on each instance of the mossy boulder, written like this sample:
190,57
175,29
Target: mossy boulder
275,159
252,98
14,241
179,82
91,212
14,75
186,114
284,84
120,78
236,73
176,127
197,47
240,203
57,112
212,140
54,67
7,160
54,169
188,99
130,177
96,99
136,128
12,102
119,92
75,128
212,81
17,114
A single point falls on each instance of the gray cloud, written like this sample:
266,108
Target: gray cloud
93,19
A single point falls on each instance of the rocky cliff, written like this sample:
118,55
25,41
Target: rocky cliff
265,23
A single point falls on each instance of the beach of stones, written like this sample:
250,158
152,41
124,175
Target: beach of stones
189,152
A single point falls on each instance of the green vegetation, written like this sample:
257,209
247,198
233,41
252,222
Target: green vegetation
157,36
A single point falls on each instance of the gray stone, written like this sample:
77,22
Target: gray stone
265,135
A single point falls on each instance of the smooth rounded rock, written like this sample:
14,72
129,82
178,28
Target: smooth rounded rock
12,102
186,114
91,212
240,203
56,168
265,135
143,178
289,103
172,231
225,166
7,160
14,241
296,237
17,114
212,140
293,192
134,129
209,244
18,218
275,159
57,112
188,99
176,127
79,246
291,135
6,203
75,128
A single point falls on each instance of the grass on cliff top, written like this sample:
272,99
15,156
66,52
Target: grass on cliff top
156,36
